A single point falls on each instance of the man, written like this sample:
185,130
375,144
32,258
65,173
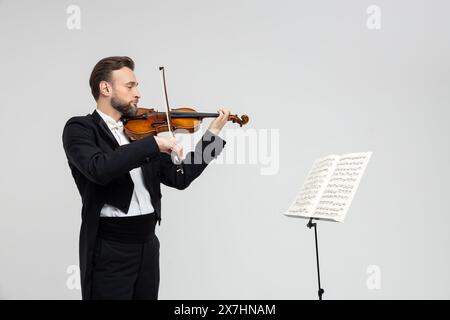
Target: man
119,183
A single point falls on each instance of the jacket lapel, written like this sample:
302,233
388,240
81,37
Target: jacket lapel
147,169
104,128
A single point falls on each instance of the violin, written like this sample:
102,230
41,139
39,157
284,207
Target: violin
148,121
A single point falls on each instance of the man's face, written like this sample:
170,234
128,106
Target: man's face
125,95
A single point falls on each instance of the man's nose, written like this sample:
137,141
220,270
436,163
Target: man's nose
137,94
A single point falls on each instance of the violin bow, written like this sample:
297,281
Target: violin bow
169,123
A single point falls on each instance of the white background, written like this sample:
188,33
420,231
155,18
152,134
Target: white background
310,69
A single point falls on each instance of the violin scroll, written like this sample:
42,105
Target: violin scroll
235,119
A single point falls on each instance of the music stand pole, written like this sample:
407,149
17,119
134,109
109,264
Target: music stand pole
310,225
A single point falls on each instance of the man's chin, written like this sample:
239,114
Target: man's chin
133,109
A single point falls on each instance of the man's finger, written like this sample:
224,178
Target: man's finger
221,114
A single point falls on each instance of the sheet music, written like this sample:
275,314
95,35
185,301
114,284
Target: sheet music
341,187
315,183
330,187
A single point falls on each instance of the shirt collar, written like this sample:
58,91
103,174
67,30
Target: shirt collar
112,124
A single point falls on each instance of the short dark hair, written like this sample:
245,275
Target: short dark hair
103,69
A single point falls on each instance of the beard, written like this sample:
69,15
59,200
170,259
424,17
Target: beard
127,109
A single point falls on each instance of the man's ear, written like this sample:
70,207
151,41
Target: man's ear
105,88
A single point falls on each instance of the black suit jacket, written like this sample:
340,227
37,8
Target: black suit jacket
100,168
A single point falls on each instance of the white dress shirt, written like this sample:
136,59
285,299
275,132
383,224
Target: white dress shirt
140,202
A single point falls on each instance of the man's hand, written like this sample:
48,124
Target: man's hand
220,121
169,145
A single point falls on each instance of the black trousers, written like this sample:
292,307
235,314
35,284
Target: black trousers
126,271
